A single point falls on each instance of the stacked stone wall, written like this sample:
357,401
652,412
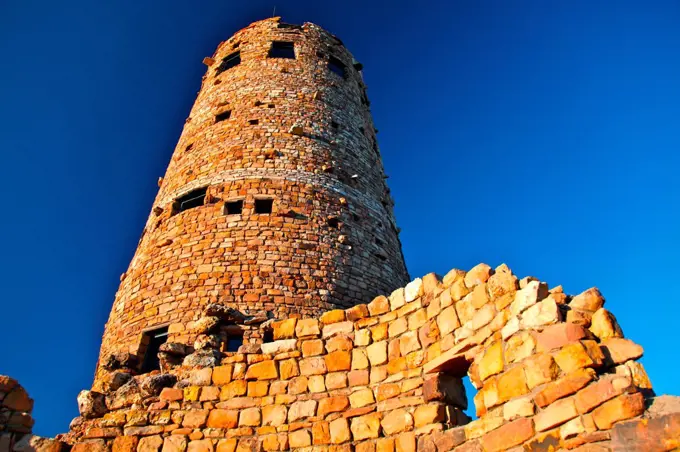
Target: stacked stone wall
553,372
298,133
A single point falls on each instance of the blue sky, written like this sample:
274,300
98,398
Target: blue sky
540,134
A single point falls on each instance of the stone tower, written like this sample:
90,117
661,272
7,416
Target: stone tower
274,202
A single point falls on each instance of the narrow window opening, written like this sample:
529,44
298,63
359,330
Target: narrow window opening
337,66
362,130
470,392
233,207
154,339
270,105
188,148
381,257
229,62
258,103
290,26
335,125
268,336
355,217
194,198
282,49
264,206
223,116
234,342
333,222
253,122
379,242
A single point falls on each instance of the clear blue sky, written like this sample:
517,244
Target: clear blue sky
542,134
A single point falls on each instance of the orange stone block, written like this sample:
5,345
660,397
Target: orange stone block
338,361
622,407
508,435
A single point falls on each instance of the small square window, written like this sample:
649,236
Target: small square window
194,198
223,116
253,122
233,207
335,125
264,205
282,49
229,62
234,342
337,66
155,339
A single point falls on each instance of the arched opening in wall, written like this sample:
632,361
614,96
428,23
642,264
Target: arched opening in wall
448,382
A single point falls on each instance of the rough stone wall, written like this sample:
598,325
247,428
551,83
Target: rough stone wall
553,372
298,133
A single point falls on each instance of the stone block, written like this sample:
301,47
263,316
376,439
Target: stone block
559,335
338,361
555,414
307,327
250,417
590,300
274,415
361,398
284,329
222,419
264,370
365,427
339,431
604,325
429,413
565,386
312,348
299,438
379,305
618,350
620,408
377,353
313,366
491,362
507,436
334,316
512,383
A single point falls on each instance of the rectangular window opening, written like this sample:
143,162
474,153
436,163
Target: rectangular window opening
337,66
264,205
194,198
253,122
229,62
282,49
234,342
155,339
233,207
335,125
223,116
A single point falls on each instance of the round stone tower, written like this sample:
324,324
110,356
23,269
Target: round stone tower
274,202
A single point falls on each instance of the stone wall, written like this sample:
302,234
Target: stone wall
551,371
16,422
297,132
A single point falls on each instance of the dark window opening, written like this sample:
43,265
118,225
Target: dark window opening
355,217
155,339
362,130
229,62
258,103
268,336
381,257
270,105
264,205
337,66
253,122
233,207
282,49
223,116
290,26
333,222
234,342
358,66
194,198
335,125
379,242
188,148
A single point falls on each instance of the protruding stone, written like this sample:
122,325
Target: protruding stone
478,274
590,300
618,350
